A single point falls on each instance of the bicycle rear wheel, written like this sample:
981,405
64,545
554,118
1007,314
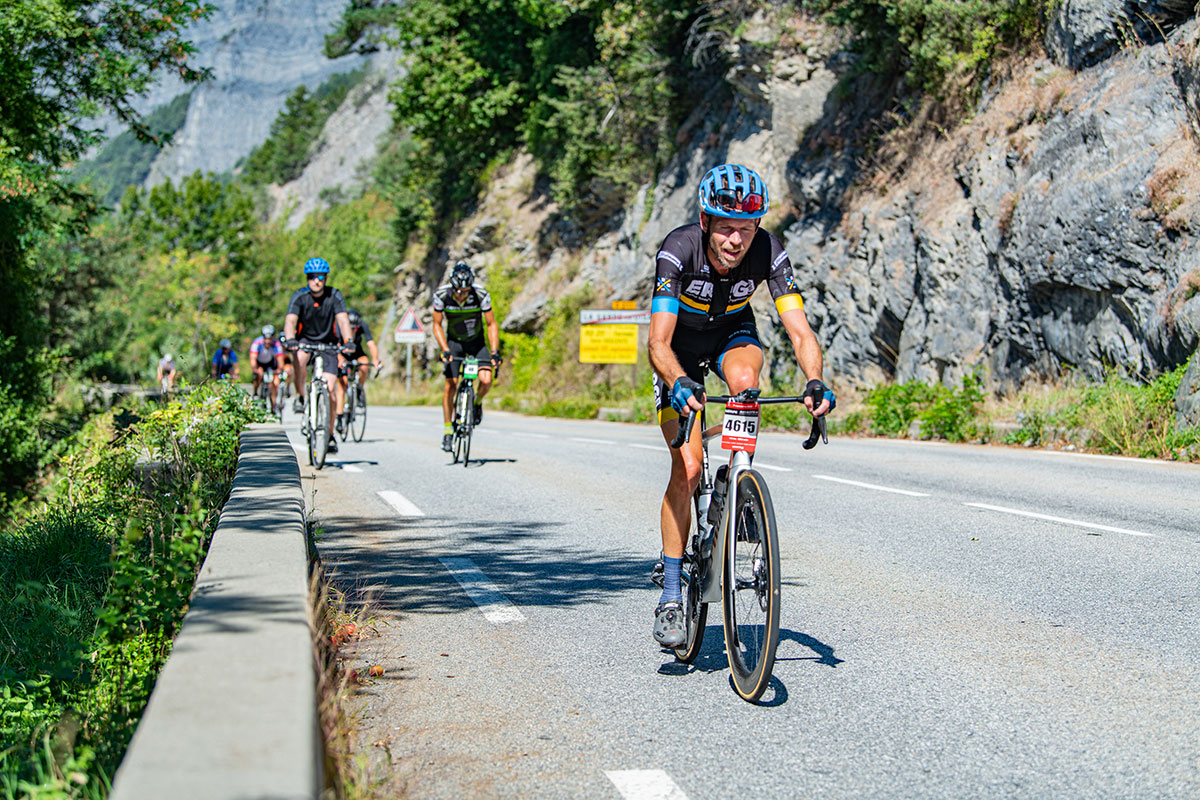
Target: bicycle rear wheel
358,423
319,441
695,613
750,596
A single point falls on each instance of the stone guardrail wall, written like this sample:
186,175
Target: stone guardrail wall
234,711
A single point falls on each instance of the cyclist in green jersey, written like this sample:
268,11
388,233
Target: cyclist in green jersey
467,309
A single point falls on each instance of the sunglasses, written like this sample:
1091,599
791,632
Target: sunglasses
316,277
728,201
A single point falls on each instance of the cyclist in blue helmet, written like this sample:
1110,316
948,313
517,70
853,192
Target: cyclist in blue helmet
317,314
705,275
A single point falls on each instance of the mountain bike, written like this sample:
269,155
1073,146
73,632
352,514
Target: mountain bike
733,553
463,423
355,419
317,406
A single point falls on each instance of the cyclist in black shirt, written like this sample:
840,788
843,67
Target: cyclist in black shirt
358,359
705,274
317,314
467,309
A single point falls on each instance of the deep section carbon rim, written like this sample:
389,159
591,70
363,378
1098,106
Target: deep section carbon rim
358,425
751,588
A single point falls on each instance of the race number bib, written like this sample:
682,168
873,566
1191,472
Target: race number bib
740,430
470,368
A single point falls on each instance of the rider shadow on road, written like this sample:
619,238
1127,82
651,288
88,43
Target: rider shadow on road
395,565
479,462
824,653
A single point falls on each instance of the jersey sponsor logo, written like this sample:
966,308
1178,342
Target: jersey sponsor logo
741,290
701,290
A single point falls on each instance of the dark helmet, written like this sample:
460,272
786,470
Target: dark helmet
355,318
462,277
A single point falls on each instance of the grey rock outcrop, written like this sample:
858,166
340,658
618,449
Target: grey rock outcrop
1187,397
259,51
1082,33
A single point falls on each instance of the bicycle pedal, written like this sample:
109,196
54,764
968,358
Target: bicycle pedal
656,574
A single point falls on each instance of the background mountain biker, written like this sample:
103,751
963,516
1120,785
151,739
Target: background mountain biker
362,337
316,314
705,274
266,353
165,374
466,308
225,362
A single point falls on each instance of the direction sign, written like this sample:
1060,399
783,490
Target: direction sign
606,316
409,329
608,344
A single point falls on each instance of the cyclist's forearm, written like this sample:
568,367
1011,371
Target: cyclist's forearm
665,363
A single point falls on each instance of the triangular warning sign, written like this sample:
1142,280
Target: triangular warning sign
409,322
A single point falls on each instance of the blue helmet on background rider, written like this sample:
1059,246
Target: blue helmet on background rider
316,266
734,192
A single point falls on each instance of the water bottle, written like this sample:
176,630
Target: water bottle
717,503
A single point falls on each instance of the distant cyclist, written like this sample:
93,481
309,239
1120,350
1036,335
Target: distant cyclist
225,362
705,274
266,353
467,309
362,337
316,314
166,372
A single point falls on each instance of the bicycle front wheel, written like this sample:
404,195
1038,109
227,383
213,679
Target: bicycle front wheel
750,584
466,416
320,428
358,422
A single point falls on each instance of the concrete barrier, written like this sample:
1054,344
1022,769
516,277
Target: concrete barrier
233,714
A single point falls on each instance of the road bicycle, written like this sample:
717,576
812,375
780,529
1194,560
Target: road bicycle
463,423
317,406
354,422
264,392
733,553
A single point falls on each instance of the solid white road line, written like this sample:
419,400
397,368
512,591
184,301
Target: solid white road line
645,784
403,506
1049,518
1102,456
532,435
760,465
589,441
495,606
350,468
656,447
870,486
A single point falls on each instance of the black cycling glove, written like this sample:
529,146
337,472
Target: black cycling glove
818,391
684,389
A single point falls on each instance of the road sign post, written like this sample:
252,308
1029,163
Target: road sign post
409,332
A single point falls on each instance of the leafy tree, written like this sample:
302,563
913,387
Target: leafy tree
362,27
62,62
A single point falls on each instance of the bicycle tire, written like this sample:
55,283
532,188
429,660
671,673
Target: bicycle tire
468,422
358,423
750,588
320,428
457,424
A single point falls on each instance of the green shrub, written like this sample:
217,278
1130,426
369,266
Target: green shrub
943,413
93,589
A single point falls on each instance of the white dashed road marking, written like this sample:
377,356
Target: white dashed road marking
760,465
495,606
870,486
589,441
645,784
350,468
1049,518
403,506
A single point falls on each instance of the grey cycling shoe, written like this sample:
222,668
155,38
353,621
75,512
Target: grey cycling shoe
669,627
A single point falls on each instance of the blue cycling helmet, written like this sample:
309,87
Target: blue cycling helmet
734,192
316,266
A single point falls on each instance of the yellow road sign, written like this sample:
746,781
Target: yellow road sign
608,344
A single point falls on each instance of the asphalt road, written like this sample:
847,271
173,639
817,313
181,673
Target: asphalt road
957,621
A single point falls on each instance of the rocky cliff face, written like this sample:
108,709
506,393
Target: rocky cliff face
1053,231
259,51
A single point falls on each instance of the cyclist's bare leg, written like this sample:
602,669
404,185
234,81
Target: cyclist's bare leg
740,366
335,388
364,370
485,383
300,372
448,399
258,379
676,515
